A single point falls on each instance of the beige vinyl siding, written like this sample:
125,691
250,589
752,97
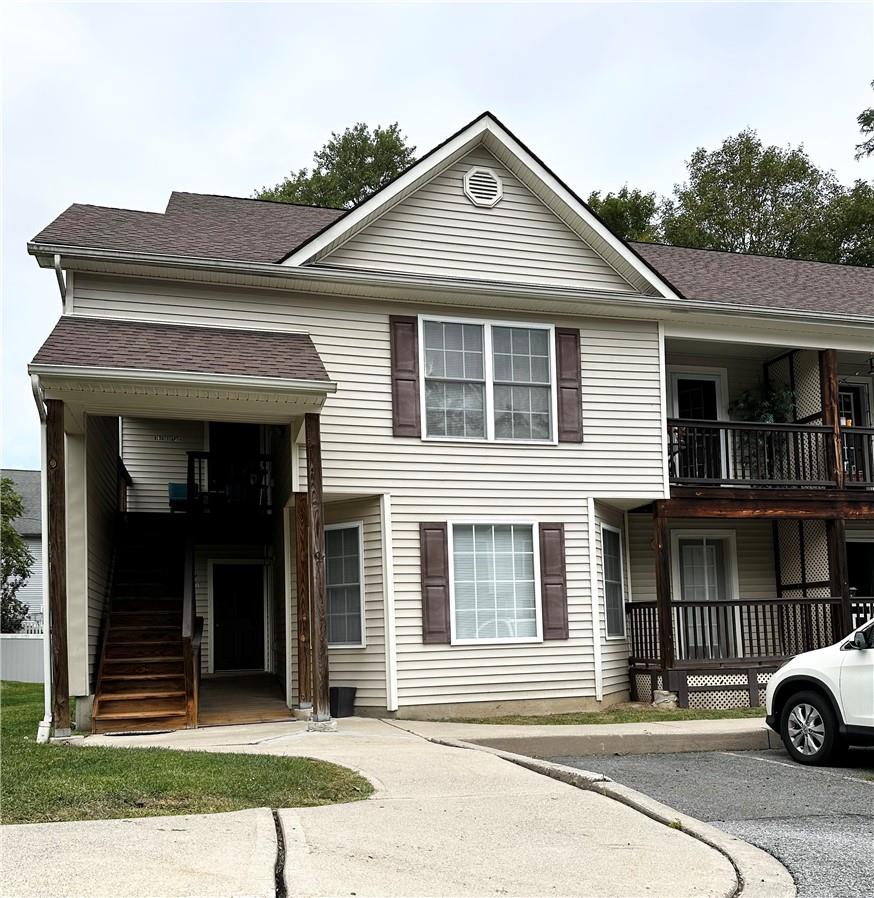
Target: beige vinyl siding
101,477
202,556
614,651
620,459
755,554
439,231
155,453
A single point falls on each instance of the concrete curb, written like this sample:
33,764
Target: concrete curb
568,745
759,875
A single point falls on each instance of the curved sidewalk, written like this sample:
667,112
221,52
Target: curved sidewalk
451,821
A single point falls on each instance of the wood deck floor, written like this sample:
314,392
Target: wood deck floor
248,698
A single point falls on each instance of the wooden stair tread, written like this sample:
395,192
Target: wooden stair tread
147,693
139,715
154,676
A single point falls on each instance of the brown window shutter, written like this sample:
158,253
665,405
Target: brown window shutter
570,385
553,581
435,582
405,417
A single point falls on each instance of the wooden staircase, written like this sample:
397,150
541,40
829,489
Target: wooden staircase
141,682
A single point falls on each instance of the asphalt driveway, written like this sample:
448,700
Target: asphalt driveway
818,821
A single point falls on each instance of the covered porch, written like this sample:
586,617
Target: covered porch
134,560
737,586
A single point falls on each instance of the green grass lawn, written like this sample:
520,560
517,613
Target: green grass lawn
41,783
619,714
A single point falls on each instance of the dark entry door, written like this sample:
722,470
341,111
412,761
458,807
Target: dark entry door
699,455
238,616
860,565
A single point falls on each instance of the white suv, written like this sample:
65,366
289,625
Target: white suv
824,700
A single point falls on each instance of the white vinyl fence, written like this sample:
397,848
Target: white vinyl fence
21,657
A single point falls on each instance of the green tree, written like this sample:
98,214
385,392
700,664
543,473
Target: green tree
748,198
847,235
347,169
16,562
866,125
630,214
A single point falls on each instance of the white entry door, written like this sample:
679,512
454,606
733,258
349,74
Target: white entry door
705,574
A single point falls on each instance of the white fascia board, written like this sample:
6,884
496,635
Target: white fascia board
341,281
411,179
188,378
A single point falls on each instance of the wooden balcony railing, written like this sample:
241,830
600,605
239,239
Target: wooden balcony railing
753,454
218,482
857,447
192,634
740,629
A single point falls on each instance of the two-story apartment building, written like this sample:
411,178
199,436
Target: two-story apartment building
460,448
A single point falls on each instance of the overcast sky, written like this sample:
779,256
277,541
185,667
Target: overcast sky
118,104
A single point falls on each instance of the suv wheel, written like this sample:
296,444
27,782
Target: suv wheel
808,728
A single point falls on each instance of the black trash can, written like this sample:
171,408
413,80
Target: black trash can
342,699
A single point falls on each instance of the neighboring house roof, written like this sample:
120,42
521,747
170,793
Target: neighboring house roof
27,485
199,226
716,276
79,342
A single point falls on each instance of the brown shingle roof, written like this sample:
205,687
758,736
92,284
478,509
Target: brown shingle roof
205,226
196,225
762,280
136,345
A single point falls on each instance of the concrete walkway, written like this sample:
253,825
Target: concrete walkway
443,821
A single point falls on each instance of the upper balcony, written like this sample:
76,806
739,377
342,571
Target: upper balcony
747,415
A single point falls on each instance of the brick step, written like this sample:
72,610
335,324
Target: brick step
127,708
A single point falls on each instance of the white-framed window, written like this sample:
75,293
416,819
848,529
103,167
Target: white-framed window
344,582
487,380
494,582
613,581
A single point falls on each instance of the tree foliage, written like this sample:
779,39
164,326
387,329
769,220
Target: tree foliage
347,169
747,198
16,561
629,213
866,126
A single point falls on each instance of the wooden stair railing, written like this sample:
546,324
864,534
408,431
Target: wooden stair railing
192,634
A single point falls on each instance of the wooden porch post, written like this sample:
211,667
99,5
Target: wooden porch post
662,546
57,533
318,597
839,580
304,602
828,378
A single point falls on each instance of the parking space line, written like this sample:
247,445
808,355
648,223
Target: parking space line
797,767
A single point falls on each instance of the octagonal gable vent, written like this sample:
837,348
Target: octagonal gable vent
483,187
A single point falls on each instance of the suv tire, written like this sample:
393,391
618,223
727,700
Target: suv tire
808,728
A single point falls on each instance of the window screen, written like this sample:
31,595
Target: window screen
614,598
522,383
343,581
454,380
495,596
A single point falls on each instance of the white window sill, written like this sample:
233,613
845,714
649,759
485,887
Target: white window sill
532,640
347,645
486,442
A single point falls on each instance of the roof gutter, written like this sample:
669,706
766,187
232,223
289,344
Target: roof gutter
187,378
342,277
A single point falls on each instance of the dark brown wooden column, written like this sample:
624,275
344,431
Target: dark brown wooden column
57,533
318,597
304,603
839,580
662,547
828,378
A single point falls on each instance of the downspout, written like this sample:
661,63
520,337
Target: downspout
45,725
62,281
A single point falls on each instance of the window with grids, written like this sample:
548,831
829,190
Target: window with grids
614,593
344,584
495,595
486,381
